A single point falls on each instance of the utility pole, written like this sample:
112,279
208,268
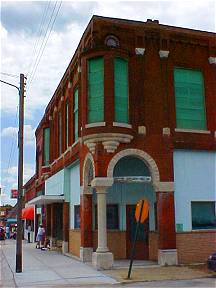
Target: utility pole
20,177
21,90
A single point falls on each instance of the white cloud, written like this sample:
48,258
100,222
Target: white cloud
29,134
10,175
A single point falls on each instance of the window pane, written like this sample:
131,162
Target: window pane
190,99
95,90
112,217
77,216
121,90
203,215
76,118
60,133
46,146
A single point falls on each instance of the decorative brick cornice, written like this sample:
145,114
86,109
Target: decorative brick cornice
110,141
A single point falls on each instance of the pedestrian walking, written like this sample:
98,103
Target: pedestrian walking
7,230
29,233
40,236
2,235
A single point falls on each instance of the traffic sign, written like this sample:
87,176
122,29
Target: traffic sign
145,210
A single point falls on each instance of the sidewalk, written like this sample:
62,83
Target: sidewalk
46,269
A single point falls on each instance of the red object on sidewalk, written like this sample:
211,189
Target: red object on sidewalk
28,213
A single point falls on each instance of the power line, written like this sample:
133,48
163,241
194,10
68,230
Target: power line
43,46
13,142
10,75
40,29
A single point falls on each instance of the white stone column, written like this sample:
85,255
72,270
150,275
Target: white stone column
102,258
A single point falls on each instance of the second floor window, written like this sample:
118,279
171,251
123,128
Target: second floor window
60,132
46,145
189,99
75,112
67,125
121,90
96,90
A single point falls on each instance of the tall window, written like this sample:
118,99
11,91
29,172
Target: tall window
190,99
121,90
96,90
67,125
75,112
203,215
112,216
60,132
46,150
76,216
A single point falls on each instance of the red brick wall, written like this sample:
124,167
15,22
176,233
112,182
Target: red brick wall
195,247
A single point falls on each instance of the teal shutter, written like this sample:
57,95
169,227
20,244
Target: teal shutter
60,132
95,90
76,99
67,124
190,99
121,90
46,146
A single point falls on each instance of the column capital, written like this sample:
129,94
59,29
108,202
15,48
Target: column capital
99,182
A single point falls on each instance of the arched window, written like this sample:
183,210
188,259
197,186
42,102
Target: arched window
112,41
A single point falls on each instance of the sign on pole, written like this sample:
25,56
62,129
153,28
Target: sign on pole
141,214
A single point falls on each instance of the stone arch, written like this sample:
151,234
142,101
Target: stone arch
87,165
149,161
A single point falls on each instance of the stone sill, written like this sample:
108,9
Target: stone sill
123,125
192,131
96,124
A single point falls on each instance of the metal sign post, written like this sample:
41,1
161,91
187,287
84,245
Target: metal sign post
141,215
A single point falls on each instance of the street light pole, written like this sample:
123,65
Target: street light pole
20,172
20,178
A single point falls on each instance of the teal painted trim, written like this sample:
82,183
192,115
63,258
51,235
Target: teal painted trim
96,90
190,99
46,150
121,90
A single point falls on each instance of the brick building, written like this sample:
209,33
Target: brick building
137,101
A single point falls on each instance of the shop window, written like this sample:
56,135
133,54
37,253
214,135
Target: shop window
76,122
121,90
46,146
203,215
112,217
77,216
189,99
95,90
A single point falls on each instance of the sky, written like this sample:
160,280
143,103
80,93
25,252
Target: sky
38,39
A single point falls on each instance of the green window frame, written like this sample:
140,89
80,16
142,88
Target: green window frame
75,113
60,132
96,90
203,215
46,150
121,90
189,99
67,124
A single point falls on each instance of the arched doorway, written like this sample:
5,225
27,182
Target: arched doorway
130,167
